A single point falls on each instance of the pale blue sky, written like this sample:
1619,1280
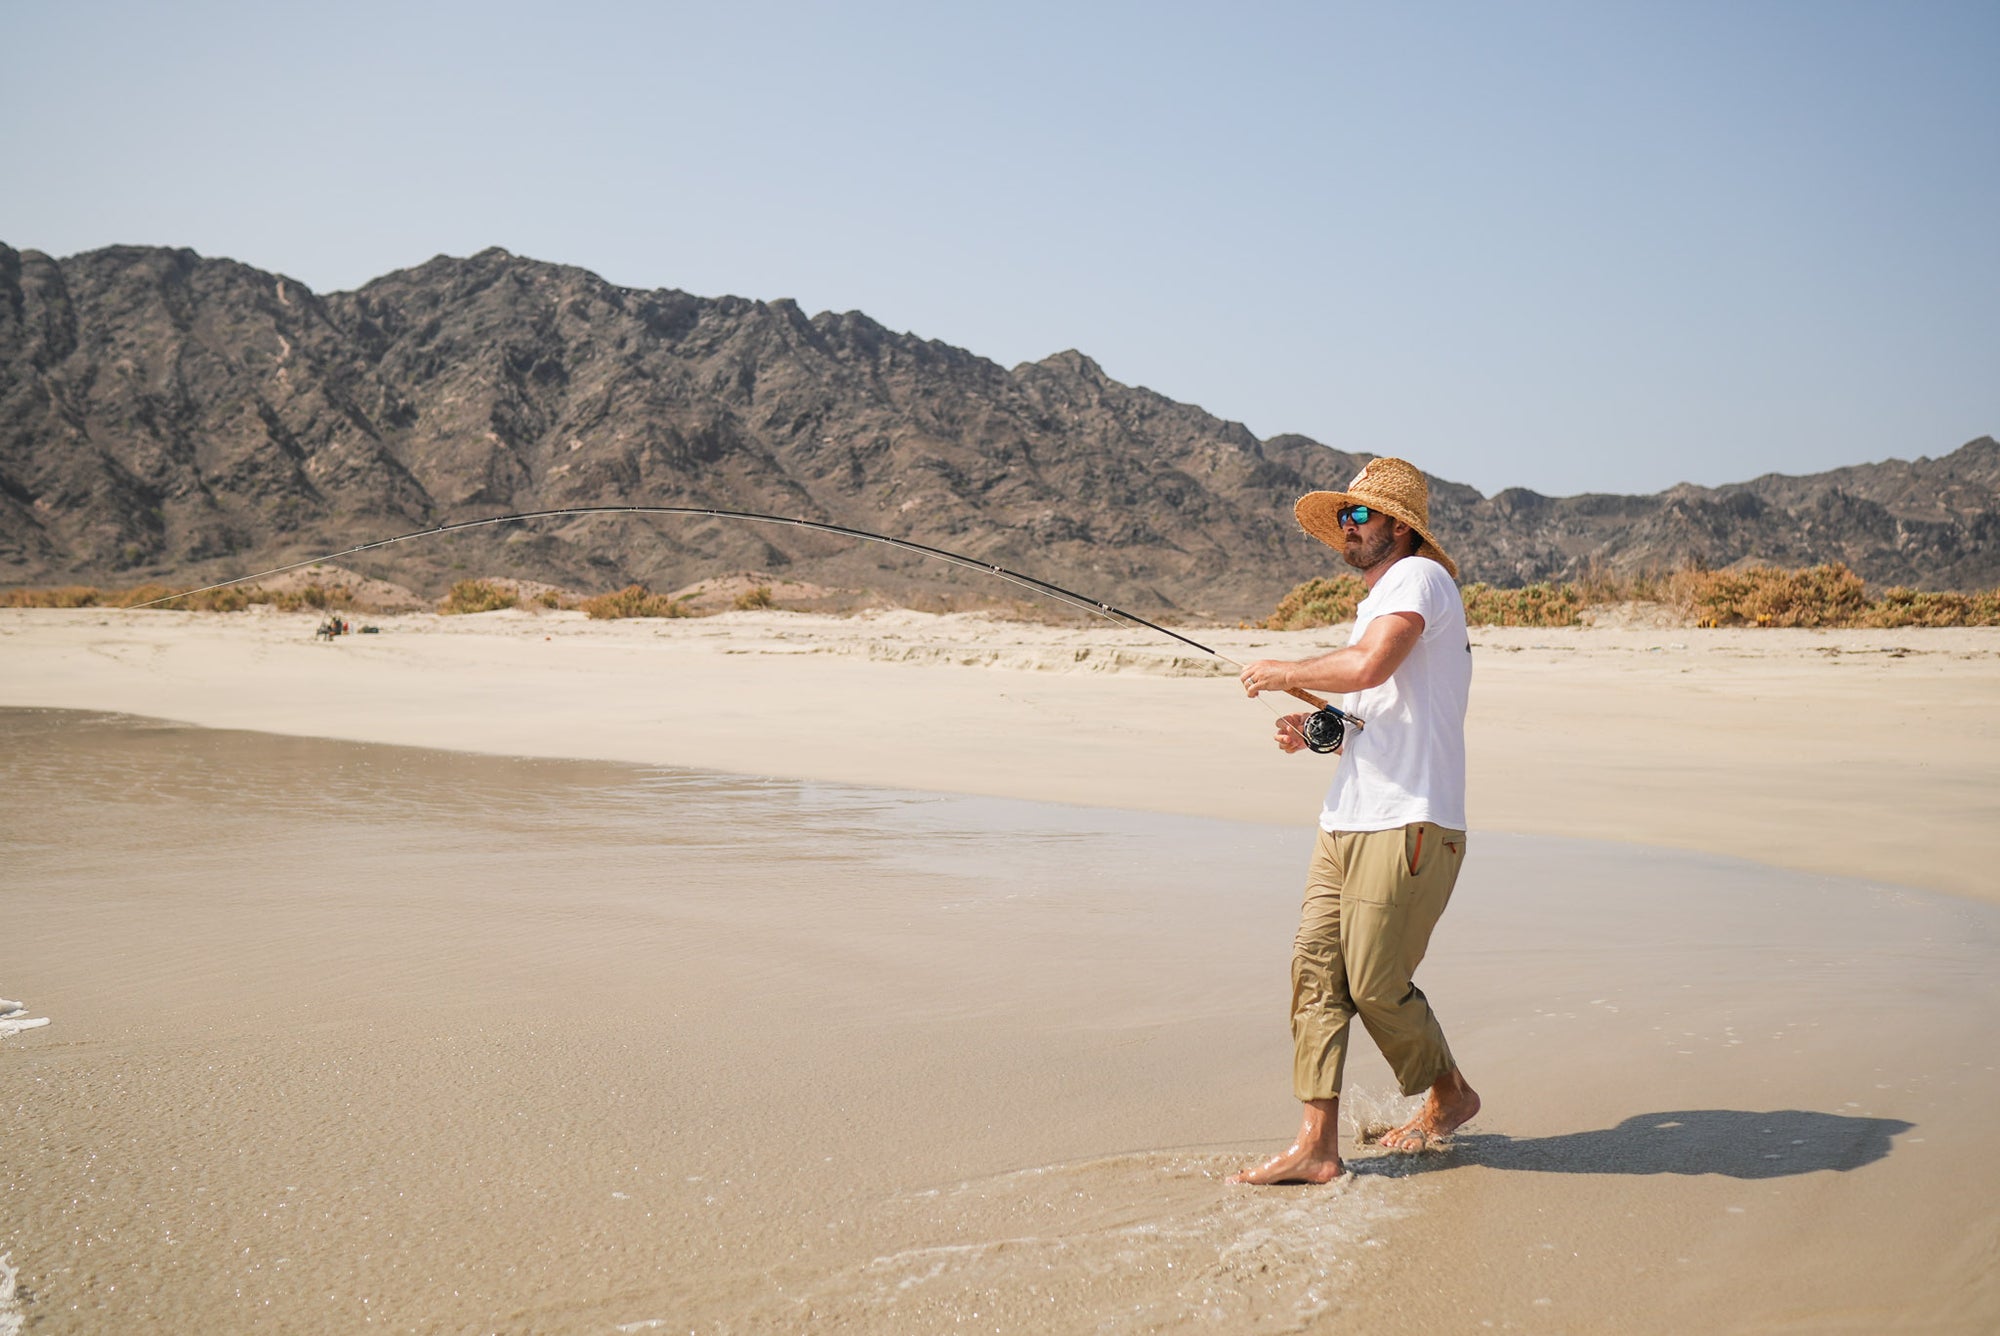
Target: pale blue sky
1574,246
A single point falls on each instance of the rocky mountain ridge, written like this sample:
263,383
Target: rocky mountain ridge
169,416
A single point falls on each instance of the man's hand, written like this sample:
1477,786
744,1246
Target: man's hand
1291,732
1267,675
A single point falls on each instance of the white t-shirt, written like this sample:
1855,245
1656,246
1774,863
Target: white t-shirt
1408,764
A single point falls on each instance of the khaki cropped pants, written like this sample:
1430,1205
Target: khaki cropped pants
1372,898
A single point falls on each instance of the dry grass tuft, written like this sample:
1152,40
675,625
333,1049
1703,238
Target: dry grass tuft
68,596
233,599
633,601
1828,595
1531,605
477,596
1912,607
752,599
1318,602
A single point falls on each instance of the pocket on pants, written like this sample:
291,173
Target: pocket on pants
1415,839
1379,868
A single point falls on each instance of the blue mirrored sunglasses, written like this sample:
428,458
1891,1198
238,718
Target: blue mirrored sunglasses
1359,514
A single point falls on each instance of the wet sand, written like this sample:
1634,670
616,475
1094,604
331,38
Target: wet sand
355,1037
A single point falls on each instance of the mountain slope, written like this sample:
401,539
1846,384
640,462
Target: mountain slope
165,415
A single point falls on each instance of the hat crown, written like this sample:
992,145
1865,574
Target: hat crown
1399,484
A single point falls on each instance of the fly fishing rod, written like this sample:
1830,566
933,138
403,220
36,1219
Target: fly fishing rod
1323,730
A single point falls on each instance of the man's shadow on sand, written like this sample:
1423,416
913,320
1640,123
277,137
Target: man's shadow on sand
1732,1142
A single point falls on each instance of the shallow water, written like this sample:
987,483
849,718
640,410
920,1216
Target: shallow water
351,1037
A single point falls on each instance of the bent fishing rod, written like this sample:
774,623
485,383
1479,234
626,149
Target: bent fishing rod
1323,731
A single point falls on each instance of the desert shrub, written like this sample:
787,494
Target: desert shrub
1681,590
1318,602
549,598
234,598
68,596
1531,605
1328,602
1676,588
146,593
752,599
633,601
477,596
1828,595
1825,595
1919,607
316,596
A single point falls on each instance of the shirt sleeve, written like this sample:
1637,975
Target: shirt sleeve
1419,585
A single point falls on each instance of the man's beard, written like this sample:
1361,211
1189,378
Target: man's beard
1364,552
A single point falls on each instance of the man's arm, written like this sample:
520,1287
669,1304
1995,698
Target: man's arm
1369,662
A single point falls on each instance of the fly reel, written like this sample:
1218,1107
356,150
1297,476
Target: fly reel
1326,728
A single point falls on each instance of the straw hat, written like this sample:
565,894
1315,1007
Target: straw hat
1392,486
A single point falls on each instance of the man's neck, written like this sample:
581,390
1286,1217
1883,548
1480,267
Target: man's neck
1381,568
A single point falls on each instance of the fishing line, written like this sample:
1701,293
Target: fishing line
1323,731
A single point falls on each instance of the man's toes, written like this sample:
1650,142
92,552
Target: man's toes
1413,1137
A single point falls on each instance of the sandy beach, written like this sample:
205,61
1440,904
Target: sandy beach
905,973
1872,754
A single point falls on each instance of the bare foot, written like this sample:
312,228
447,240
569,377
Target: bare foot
1450,1105
1293,1166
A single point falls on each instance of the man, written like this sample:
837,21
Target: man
1392,833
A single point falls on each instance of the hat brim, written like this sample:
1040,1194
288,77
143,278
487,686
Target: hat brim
1319,515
